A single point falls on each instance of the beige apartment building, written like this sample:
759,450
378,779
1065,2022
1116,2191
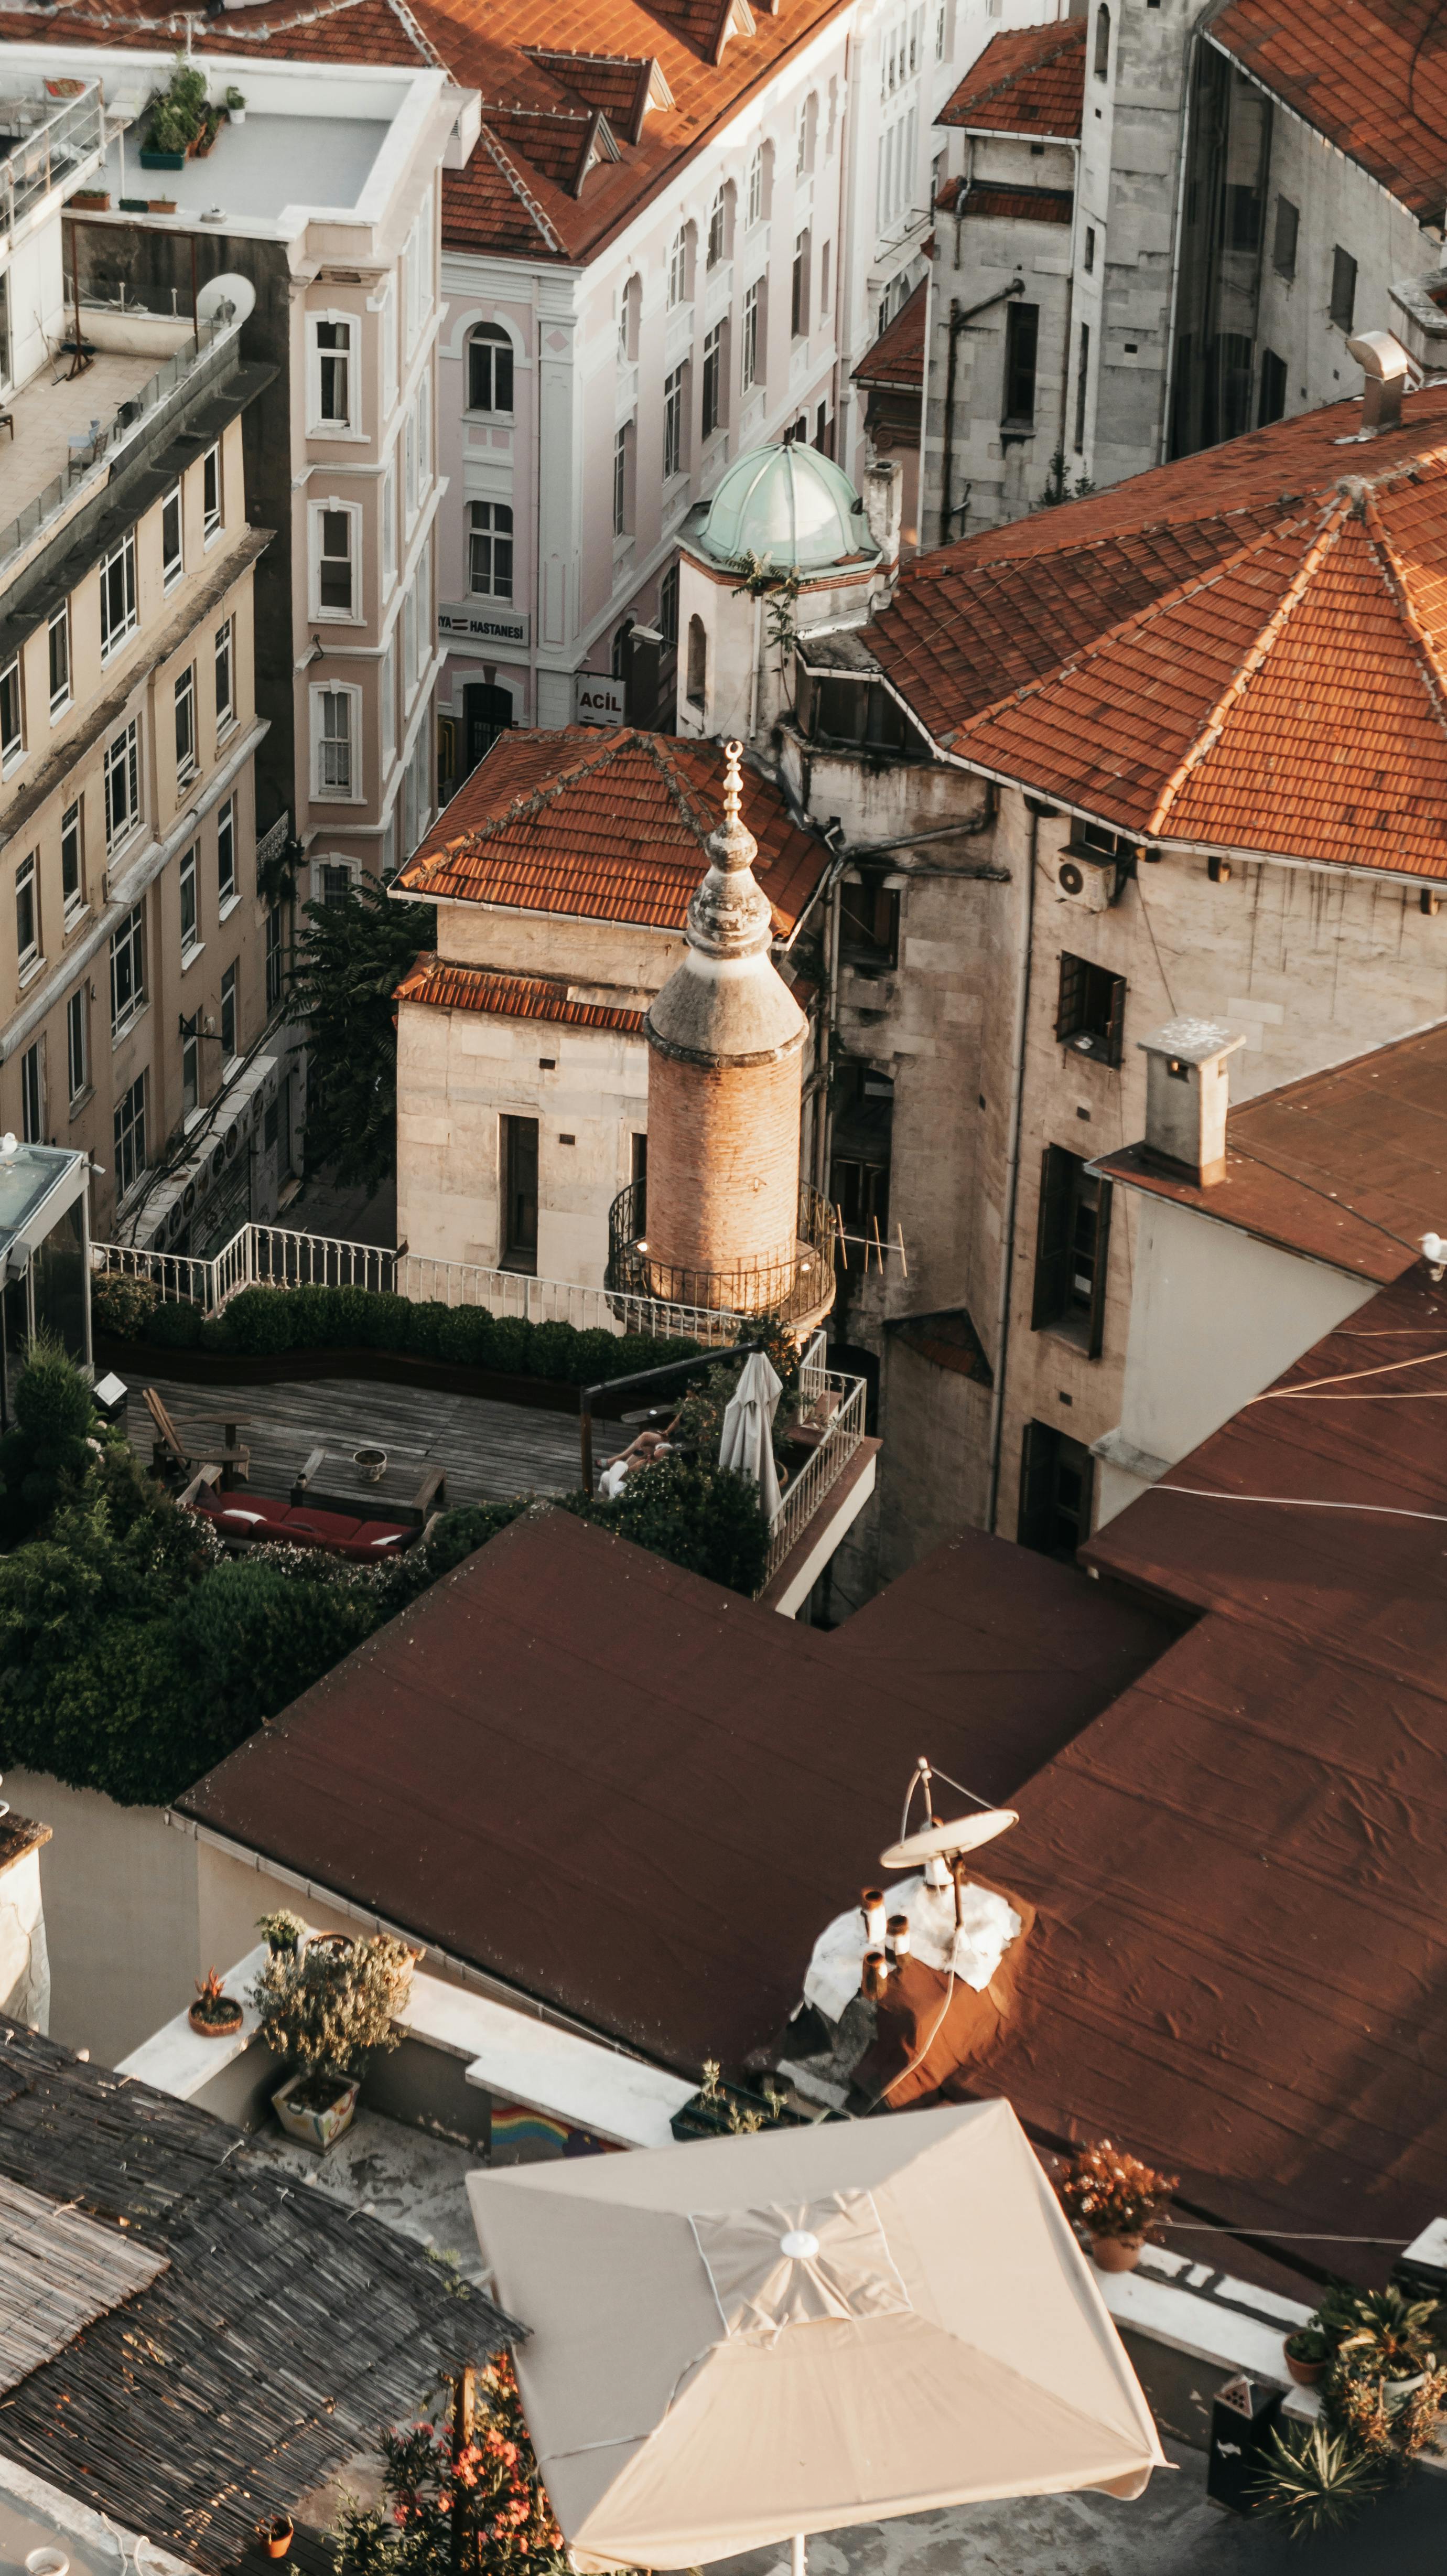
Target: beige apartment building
138,964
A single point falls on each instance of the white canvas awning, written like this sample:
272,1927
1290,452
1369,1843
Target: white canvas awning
744,2338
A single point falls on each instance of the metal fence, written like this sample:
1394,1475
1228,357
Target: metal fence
842,1401
181,374
48,153
800,1283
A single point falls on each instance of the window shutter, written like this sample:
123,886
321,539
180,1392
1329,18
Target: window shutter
1052,1238
1072,991
1037,1471
1102,1265
1115,1025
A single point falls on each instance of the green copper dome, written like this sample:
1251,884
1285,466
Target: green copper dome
789,506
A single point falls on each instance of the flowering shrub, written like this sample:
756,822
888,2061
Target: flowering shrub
1112,2193
431,2476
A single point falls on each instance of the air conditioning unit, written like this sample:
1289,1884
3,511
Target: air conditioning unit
1088,881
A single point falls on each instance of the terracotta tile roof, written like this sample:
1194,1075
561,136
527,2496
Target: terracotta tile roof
605,826
1019,205
705,58
1246,650
509,997
1347,1166
897,357
1030,80
1370,75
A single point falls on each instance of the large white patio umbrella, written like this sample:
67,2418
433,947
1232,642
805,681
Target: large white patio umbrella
741,2340
746,1439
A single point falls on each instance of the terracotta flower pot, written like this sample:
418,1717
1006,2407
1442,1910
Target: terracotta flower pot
1116,2253
208,2028
1305,2373
275,2536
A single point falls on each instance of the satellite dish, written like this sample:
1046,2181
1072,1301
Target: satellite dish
936,1842
226,299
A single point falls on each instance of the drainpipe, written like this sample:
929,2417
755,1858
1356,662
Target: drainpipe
824,1118
957,323
1012,1167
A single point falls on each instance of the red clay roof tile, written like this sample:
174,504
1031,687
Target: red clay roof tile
995,202
897,357
1028,80
1370,75
509,997
1246,651
605,826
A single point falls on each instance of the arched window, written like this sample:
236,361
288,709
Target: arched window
697,662
489,536
1102,43
620,649
489,369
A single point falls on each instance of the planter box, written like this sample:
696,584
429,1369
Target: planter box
318,2129
163,160
697,2118
91,201
140,1362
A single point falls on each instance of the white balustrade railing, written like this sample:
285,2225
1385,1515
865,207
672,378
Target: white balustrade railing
842,1432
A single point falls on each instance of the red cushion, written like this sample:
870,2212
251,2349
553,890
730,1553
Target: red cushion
382,1538
244,1513
326,1527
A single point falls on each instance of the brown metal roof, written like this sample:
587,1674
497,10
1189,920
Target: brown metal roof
640,1798
1347,1166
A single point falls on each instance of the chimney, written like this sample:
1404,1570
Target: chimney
1387,369
1187,1095
884,509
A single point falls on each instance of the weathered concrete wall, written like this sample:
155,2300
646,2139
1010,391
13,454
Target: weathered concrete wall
120,1912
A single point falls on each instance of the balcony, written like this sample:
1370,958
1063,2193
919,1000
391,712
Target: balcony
46,143
796,1291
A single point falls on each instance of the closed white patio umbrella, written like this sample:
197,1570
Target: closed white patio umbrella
746,1439
741,2340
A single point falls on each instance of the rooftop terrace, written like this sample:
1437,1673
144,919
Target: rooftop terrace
63,421
260,171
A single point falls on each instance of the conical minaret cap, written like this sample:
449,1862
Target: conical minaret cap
726,1003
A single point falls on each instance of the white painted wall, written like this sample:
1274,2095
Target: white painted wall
120,1915
24,1960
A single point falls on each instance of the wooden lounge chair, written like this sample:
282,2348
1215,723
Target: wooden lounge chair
170,1456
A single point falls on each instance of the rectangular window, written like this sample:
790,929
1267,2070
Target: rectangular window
60,660
409,644
387,342
389,525
128,970
424,431
1283,248
172,543
749,371
334,562
1343,288
756,186
678,266
668,606
673,424
824,257
27,915
185,695
334,741
519,1193
72,885
620,481
489,540
77,1043
1071,1250
190,1069
336,885
226,853
869,924
716,228
12,719
489,369
211,500
1057,1477
1090,250
129,1160
123,786
1243,218
409,466
389,707
225,706
118,594
274,958
1272,402
228,1014
713,380
186,880
32,1105
1090,1010
1082,383
1022,333
334,375
799,289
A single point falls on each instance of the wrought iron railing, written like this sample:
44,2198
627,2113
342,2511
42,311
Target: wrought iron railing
833,1404
798,1285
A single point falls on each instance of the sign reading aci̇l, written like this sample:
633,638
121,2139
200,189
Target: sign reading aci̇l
597,699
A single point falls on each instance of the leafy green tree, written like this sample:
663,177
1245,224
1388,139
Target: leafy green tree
45,1456
256,1634
351,957
458,2495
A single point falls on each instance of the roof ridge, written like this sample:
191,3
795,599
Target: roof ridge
418,34
519,186
683,793
1394,574
1069,30
926,566
1210,733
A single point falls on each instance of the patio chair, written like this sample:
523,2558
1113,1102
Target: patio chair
171,1457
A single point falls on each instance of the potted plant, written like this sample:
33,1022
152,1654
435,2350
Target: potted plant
1316,2481
370,1464
282,1932
91,201
1384,2337
1308,2353
1115,2198
275,2534
236,107
161,205
215,2014
328,2007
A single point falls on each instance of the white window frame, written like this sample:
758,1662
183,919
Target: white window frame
188,749
678,268
498,343
494,535
60,698
322,423
123,759
12,716
29,952
228,887
32,1093
213,519
387,688
756,187
409,469
351,512
72,827
128,1122
187,883
77,1044
351,793
129,939
223,650
389,526
387,345
749,336
423,409
173,566
230,1004
675,421
410,664
718,229
121,559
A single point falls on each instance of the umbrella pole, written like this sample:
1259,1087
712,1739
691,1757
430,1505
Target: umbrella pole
797,2566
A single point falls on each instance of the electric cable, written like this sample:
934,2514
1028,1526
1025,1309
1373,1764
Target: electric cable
1385,1368
1299,1503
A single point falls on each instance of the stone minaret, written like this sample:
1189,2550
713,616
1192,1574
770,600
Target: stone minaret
725,1041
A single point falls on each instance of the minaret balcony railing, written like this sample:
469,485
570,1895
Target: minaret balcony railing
794,1289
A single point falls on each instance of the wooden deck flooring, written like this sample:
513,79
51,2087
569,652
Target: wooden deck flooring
489,1451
